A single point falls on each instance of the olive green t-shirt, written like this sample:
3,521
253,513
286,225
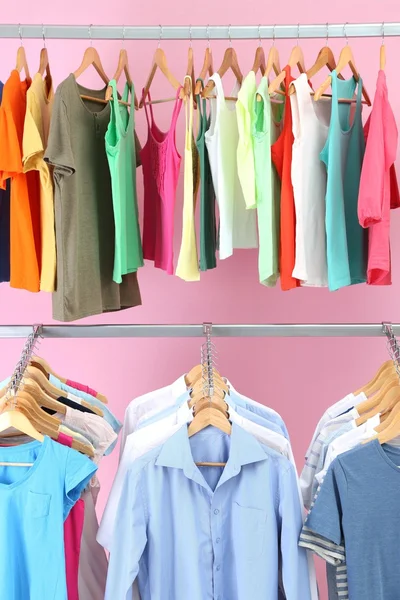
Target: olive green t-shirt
83,208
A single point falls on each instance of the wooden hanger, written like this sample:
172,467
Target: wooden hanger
206,68
160,62
42,398
380,403
378,380
46,369
189,82
123,67
230,61
198,393
92,58
390,429
346,58
37,375
16,417
22,62
207,416
259,58
296,58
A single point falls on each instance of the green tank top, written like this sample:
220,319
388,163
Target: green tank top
347,241
121,154
208,229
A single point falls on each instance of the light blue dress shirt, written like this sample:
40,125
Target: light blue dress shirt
261,417
215,533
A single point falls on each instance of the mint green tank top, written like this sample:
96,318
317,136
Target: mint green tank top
347,243
121,154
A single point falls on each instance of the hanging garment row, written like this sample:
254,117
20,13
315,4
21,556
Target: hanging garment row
292,172
49,486
230,516
351,471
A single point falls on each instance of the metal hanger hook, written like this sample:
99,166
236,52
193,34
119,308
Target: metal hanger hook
229,36
208,37
345,32
259,36
383,33
298,33
273,35
327,35
190,36
90,34
20,33
43,36
160,38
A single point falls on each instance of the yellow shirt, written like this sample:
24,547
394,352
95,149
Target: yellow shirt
188,262
39,102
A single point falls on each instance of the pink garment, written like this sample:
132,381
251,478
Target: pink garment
161,163
73,528
378,186
82,388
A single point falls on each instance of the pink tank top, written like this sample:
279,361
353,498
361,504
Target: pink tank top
161,163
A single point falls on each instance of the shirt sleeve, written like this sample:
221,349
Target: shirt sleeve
59,151
322,532
78,472
10,155
32,144
295,573
372,182
129,538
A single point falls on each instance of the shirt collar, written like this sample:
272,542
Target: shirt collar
244,449
178,388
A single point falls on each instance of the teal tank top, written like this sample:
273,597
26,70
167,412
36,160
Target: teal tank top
346,240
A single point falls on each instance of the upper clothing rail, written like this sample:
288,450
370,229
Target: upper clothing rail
199,32
218,330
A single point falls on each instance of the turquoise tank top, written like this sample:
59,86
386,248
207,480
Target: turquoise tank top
347,242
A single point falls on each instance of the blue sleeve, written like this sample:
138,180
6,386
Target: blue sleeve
295,573
322,532
78,472
129,538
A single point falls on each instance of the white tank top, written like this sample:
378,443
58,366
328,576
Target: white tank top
237,226
310,129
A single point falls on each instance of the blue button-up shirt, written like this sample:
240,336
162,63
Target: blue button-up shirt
217,533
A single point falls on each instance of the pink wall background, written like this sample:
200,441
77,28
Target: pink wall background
298,377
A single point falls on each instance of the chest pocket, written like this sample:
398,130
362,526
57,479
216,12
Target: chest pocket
250,523
38,505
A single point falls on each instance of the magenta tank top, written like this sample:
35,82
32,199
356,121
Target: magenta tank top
161,162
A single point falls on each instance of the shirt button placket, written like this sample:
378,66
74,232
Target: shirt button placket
216,537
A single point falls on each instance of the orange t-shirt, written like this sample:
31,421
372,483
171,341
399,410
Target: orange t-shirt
281,152
25,251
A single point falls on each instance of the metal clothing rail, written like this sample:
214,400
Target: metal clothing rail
186,331
203,32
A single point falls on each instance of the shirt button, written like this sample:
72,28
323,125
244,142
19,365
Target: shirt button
218,567
218,540
216,511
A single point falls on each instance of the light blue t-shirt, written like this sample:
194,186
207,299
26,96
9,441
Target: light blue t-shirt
209,532
34,502
346,240
357,510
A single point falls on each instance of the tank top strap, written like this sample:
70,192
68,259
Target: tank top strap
176,111
201,102
189,117
216,78
359,97
150,120
335,97
303,93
